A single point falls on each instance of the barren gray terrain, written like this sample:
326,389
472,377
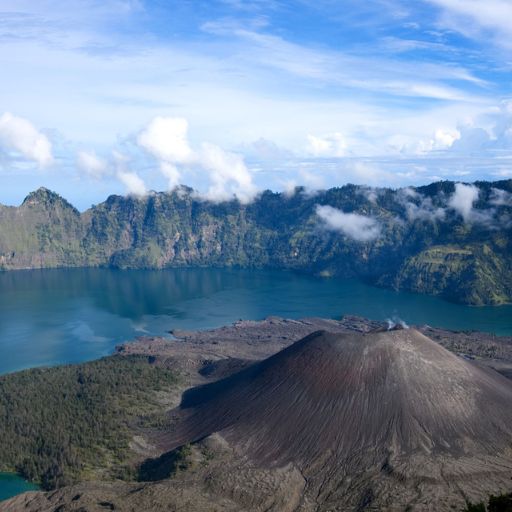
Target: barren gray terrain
317,415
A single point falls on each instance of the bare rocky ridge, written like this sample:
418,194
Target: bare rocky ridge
352,417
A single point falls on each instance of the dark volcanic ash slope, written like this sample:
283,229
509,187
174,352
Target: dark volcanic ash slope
386,419
346,421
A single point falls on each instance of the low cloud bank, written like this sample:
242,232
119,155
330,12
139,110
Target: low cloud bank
419,207
500,197
463,199
353,225
462,202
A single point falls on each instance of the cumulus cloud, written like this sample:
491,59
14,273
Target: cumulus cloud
171,172
133,182
463,199
228,174
20,135
332,145
90,164
166,139
441,139
355,226
487,133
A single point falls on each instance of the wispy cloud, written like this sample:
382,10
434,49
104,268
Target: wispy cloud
475,18
394,77
353,225
133,182
89,163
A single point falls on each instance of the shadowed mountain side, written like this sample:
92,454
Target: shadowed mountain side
354,411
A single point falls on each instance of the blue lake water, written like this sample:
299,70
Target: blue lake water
62,316
11,485
69,315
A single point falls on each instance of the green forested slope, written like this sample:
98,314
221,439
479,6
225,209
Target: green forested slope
64,424
423,244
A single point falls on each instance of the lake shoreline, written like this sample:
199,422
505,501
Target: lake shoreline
12,484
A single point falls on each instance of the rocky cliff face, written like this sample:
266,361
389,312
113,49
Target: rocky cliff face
419,242
45,231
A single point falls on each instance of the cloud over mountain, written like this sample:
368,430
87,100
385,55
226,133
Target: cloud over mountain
225,173
463,199
133,182
355,226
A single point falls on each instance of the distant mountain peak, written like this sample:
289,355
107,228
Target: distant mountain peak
44,196
355,412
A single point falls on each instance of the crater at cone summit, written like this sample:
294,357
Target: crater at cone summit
390,413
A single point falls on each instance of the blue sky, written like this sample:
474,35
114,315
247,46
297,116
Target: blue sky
232,96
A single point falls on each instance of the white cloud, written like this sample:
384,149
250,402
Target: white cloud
89,163
419,207
494,15
332,145
266,150
166,139
171,172
355,226
441,139
227,176
370,193
500,197
444,138
133,182
227,173
20,135
463,199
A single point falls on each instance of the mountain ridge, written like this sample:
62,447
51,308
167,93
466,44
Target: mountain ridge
417,241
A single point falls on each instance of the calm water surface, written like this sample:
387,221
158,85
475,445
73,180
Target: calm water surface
10,485
61,316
